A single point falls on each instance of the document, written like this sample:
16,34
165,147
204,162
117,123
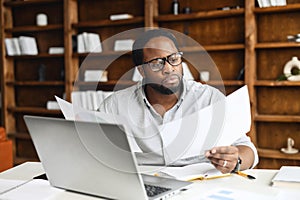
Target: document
198,171
219,124
32,190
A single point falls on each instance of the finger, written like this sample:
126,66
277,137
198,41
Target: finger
224,149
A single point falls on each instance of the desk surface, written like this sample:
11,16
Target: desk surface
259,188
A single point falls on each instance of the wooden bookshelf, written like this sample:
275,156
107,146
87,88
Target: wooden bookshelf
244,37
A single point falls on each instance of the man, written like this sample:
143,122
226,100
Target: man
164,95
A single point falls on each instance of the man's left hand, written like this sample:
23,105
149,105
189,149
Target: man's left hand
223,158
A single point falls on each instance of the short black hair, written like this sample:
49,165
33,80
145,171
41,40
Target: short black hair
139,44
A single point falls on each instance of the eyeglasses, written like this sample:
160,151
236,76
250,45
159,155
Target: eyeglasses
158,64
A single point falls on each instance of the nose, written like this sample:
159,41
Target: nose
168,68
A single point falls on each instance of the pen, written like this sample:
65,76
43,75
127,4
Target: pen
245,175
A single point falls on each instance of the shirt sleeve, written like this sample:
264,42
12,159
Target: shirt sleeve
245,140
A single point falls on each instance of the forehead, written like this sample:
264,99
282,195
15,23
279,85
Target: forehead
159,46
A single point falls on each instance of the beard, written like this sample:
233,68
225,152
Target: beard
165,90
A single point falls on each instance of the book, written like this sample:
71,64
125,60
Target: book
198,171
287,176
120,16
28,45
12,46
123,45
88,42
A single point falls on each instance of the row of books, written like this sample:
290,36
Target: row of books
22,45
269,3
90,99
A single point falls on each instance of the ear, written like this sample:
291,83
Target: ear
141,70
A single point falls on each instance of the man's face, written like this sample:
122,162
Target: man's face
169,79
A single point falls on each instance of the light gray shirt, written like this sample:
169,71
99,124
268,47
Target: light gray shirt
132,104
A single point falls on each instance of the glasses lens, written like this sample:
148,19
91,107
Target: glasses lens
175,59
157,64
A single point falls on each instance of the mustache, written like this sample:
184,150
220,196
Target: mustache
171,76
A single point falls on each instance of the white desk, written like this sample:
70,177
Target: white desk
258,189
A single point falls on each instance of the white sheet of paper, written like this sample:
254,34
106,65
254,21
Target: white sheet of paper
33,190
217,125
6,184
73,112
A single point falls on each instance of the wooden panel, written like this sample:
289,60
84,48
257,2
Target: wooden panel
25,149
278,100
270,62
37,96
274,27
97,10
229,30
266,163
165,6
53,69
274,135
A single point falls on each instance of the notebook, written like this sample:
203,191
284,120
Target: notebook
95,159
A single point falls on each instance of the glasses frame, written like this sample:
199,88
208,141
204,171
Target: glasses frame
164,59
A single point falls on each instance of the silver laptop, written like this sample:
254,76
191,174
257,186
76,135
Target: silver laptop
95,159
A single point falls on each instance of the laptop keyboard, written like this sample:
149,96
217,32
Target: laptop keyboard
153,190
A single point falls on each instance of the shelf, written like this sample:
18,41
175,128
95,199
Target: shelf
102,54
108,83
277,118
19,135
273,45
276,154
199,15
30,2
221,47
20,160
29,29
276,9
37,83
226,83
107,22
33,110
277,83
40,55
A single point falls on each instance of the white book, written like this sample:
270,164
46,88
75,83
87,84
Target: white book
281,2
95,102
266,3
89,100
28,45
100,96
260,4
120,16
76,98
12,46
93,75
123,45
92,42
80,44
273,2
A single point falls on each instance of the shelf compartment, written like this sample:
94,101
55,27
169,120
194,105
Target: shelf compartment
220,47
34,110
199,15
269,83
30,2
277,118
276,154
29,29
107,23
37,83
272,45
277,9
39,56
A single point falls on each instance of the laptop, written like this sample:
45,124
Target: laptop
95,159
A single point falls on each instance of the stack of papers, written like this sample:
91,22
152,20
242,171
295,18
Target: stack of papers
288,176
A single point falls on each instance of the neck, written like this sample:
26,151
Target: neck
161,102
